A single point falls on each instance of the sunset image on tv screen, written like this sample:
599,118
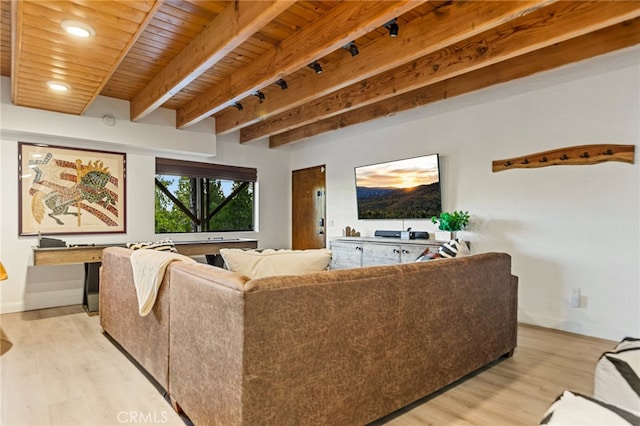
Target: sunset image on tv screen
402,189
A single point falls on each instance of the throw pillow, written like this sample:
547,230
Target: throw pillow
427,255
575,409
617,375
256,264
454,248
161,245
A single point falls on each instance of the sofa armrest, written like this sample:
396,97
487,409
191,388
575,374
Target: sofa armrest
146,338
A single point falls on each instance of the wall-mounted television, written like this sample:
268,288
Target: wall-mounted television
400,189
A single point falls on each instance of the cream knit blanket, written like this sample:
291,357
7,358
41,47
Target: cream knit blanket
148,270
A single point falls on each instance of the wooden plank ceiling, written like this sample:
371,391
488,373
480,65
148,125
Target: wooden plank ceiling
228,59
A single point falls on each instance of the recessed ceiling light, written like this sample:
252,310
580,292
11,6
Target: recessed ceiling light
77,28
58,86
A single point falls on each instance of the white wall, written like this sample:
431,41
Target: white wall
565,226
30,287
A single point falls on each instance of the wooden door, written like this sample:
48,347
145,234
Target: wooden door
308,207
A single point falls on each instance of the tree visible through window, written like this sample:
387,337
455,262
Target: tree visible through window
202,197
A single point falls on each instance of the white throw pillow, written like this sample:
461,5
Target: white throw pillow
269,262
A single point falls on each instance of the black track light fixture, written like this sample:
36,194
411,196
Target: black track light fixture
238,106
352,48
260,95
392,26
316,67
282,84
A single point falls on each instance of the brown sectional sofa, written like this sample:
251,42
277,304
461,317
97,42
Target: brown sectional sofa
337,347
146,339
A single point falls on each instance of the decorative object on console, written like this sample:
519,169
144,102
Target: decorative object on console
44,242
3,272
450,222
571,156
270,262
351,232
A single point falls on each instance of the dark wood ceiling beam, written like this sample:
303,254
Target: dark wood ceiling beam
587,46
552,24
447,25
232,27
345,22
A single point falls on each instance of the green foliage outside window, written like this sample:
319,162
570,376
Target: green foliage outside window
202,205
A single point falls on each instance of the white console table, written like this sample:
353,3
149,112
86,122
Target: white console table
354,252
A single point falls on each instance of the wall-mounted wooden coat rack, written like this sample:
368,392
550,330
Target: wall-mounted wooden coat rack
575,155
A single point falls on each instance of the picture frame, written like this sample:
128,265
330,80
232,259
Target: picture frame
64,190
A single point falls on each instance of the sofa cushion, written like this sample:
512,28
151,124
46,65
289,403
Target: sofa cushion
576,409
617,375
269,262
453,248
161,245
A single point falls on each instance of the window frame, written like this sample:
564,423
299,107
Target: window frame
210,171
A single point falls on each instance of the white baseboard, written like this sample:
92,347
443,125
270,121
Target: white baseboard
586,329
44,300
8,308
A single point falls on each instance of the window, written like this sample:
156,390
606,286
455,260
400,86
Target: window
203,197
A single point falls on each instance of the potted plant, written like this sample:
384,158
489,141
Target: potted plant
450,223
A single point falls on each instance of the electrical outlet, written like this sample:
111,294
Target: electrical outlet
575,297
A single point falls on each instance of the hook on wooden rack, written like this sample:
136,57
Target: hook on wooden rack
577,155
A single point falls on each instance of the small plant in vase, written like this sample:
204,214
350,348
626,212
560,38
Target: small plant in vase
450,223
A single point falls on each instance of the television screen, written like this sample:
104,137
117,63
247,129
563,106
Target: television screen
401,189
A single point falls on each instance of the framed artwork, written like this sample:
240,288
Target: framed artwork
70,191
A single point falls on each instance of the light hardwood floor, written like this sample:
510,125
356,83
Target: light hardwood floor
58,369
